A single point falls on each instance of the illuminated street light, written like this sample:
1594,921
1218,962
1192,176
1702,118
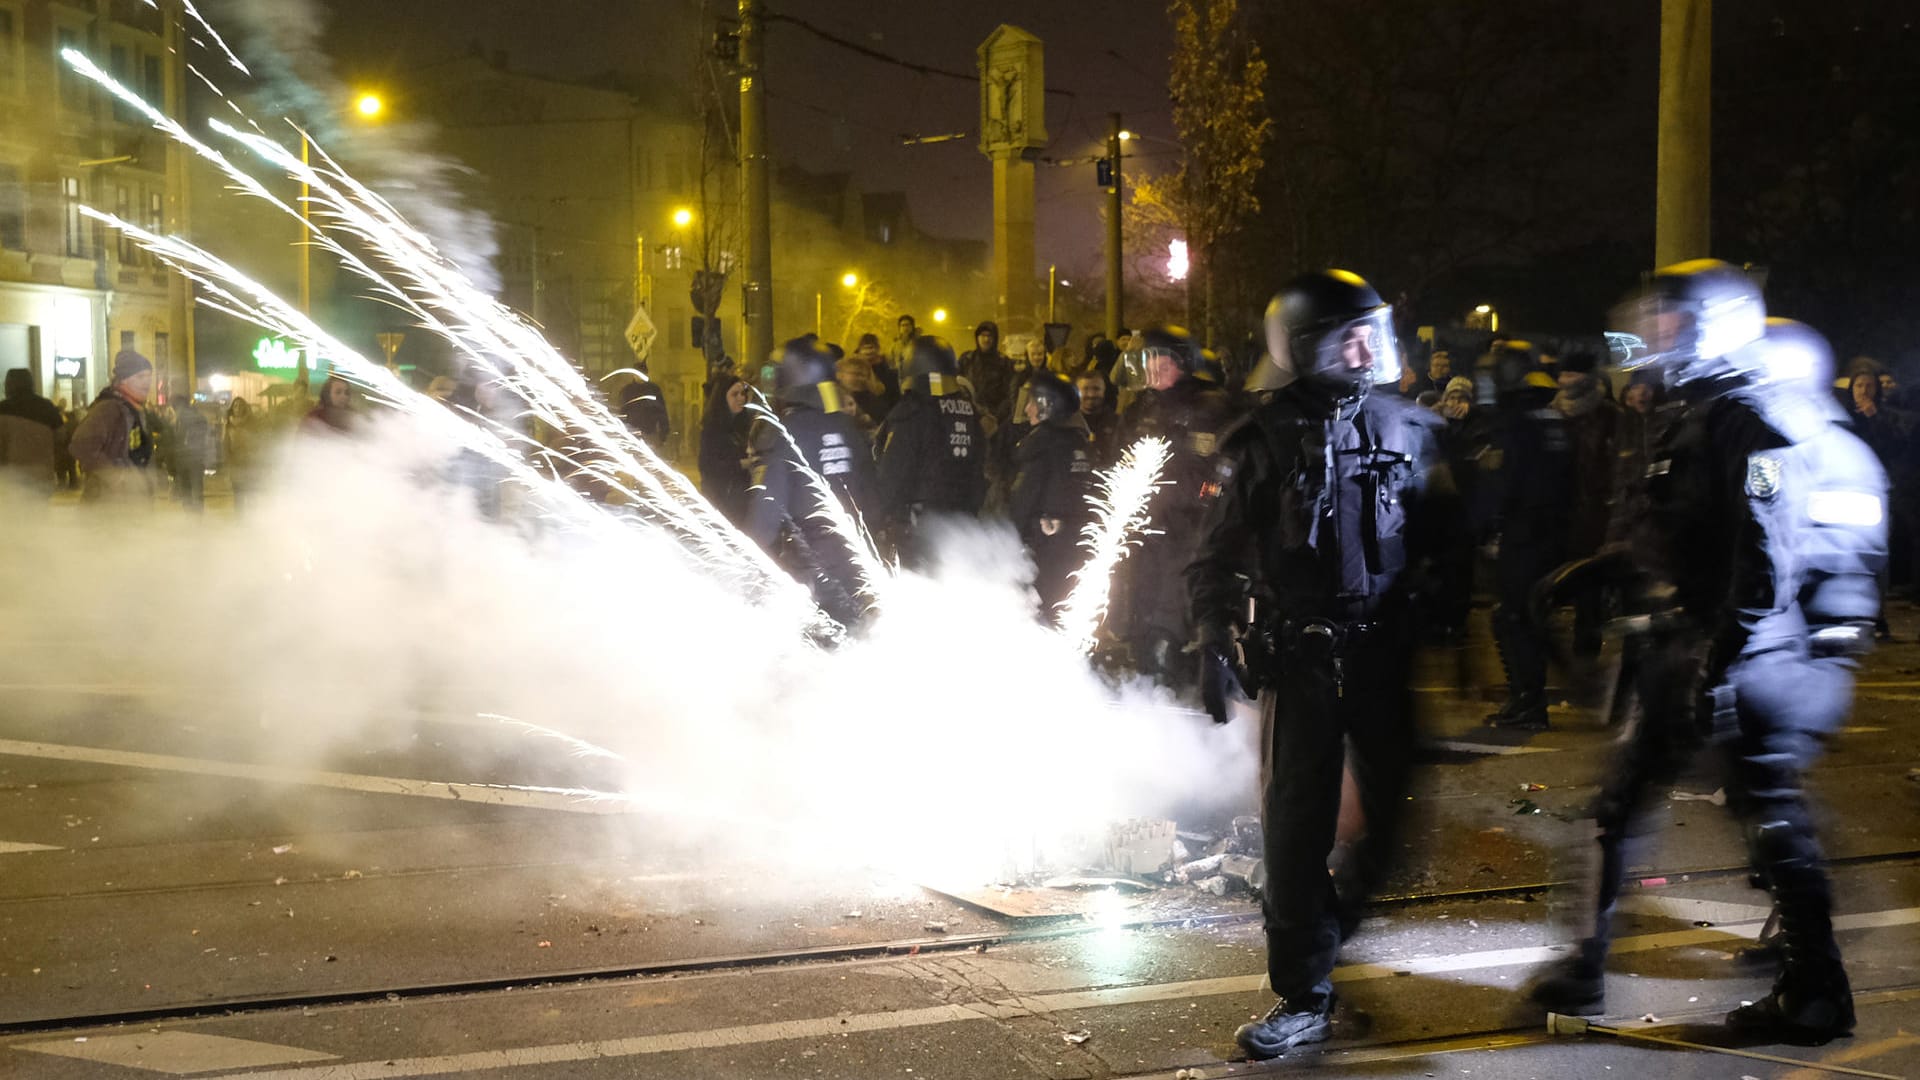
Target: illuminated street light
1177,265
370,105
940,315
1126,136
682,217
850,279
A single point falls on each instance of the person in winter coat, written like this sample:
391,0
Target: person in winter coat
990,374
1053,468
29,435
723,447
114,445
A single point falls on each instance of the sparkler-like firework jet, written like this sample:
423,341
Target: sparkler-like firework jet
873,570
1119,514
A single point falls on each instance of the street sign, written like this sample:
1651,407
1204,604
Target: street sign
640,334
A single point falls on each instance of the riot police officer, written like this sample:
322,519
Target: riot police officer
932,450
784,512
1322,506
1191,414
1053,467
1526,484
1768,520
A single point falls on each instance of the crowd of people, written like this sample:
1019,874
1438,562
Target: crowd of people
132,446
1326,510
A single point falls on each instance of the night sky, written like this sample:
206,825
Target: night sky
836,110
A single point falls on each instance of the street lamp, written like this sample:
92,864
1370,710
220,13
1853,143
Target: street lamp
682,218
850,279
939,315
370,105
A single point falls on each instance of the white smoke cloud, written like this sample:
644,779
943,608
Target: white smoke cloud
281,41
361,598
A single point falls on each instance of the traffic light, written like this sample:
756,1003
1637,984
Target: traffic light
708,287
1103,172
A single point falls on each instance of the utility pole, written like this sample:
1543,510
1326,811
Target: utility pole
1683,211
757,290
1116,307
178,205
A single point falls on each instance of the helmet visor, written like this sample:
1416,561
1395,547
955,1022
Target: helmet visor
1648,330
1355,353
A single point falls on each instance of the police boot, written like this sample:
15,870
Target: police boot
1811,1002
1574,985
1767,951
1292,1022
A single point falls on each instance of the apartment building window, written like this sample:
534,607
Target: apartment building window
73,86
76,222
156,211
13,209
123,209
156,82
9,50
120,62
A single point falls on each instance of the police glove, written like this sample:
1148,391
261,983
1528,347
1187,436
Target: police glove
1220,681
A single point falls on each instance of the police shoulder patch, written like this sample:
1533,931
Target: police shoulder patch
1763,476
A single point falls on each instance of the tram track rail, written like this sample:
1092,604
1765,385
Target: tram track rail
1039,930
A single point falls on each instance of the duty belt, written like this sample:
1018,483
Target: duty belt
1324,640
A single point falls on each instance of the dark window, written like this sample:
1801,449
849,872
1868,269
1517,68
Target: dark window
9,46
126,341
73,85
76,222
123,209
156,83
13,209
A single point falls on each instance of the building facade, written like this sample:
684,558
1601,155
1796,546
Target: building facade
72,293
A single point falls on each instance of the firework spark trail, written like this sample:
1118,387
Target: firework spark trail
194,13
487,332
581,747
866,557
1119,513
725,550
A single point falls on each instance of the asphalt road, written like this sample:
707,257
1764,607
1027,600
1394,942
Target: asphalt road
368,926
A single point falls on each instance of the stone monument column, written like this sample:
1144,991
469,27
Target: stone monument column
1013,132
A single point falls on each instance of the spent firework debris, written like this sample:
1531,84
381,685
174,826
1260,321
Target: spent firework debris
579,747
1119,502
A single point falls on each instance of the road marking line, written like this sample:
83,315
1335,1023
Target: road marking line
487,794
179,1053
1008,1009
14,847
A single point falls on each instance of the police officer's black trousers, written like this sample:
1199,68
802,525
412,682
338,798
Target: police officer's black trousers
1772,713
1523,653
1055,558
1312,727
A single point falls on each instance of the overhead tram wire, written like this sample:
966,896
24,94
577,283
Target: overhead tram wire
870,53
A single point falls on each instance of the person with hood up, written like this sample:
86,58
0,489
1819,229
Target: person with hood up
114,445
1053,468
723,446
990,374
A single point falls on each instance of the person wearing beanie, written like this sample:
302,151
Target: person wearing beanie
114,443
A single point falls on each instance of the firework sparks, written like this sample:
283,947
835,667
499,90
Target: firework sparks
853,533
1119,514
581,748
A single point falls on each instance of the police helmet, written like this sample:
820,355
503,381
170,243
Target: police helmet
931,367
1173,342
1210,369
1694,320
1517,365
1795,354
1333,329
806,378
1054,396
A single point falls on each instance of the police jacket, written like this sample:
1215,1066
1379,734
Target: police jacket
1053,470
932,455
1319,504
1768,517
1191,415
1525,485
782,496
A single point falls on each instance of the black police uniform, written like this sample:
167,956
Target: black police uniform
1320,506
1191,415
1053,471
1769,519
784,514
932,462
1526,482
